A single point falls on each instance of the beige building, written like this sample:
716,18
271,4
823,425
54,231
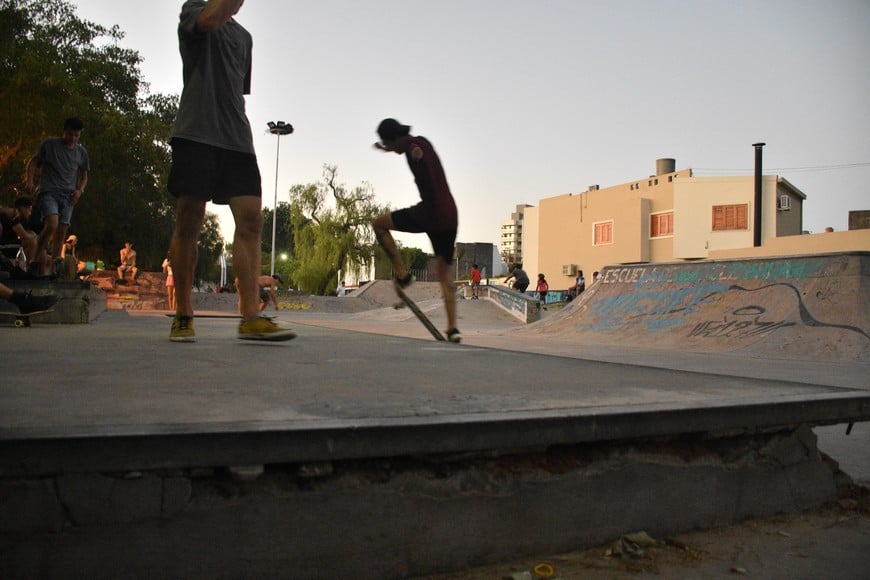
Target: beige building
666,217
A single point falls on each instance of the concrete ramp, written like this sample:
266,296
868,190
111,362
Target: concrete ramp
790,307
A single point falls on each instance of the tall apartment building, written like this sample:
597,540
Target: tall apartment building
511,236
669,216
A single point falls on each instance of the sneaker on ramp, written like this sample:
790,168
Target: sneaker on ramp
182,329
263,328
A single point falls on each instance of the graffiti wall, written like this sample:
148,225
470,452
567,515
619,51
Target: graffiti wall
733,302
524,307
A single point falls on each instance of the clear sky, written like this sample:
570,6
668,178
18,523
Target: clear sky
528,99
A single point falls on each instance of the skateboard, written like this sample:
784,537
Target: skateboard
418,313
23,320
227,315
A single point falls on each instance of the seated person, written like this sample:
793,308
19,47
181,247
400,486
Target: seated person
14,229
128,261
70,262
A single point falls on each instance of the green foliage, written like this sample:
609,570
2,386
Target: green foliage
54,65
211,245
331,228
414,259
284,243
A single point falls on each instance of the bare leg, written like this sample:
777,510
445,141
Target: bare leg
448,290
30,244
248,215
382,226
190,214
46,236
57,241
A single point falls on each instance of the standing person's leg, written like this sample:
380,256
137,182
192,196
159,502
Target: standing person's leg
46,236
190,214
448,291
57,246
64,217
443,244
382,226
246,263
248,216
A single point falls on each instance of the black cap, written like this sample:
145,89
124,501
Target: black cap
390,129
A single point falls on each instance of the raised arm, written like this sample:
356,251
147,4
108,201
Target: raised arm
217,13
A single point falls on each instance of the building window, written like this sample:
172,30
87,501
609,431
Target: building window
730,217
603,233
661,225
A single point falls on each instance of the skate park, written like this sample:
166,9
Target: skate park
669,397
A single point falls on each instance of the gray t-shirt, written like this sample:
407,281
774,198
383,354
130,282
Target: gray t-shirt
217,75
521,276
60,166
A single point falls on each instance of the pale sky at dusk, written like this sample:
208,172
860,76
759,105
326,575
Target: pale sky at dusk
530,99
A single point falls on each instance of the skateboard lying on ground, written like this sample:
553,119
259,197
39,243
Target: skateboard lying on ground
22,320
418,313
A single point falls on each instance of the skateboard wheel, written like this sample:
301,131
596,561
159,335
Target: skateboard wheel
19,323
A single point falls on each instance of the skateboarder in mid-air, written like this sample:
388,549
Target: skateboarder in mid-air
435,215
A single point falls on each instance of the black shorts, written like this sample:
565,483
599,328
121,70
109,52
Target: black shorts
405,220
209,173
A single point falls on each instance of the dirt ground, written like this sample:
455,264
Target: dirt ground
830,542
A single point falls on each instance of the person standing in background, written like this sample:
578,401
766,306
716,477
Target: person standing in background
62,165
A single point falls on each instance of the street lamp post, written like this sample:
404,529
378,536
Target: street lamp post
277,128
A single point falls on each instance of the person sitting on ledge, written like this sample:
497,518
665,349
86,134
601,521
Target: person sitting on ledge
128,261
13,229
70,261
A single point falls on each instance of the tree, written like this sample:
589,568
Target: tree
415,259
211,246
284,243
54,65
332,231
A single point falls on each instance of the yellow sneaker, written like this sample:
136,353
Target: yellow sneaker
182,329
263,328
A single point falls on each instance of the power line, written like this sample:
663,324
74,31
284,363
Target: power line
789,169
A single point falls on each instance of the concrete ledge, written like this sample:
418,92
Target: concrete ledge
519,305
28,454
400,517
74,306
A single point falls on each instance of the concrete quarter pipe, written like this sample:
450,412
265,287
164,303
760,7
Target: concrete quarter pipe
790,307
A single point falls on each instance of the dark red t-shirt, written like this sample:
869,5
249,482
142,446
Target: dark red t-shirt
437,208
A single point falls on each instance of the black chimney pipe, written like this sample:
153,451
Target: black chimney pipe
756,225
